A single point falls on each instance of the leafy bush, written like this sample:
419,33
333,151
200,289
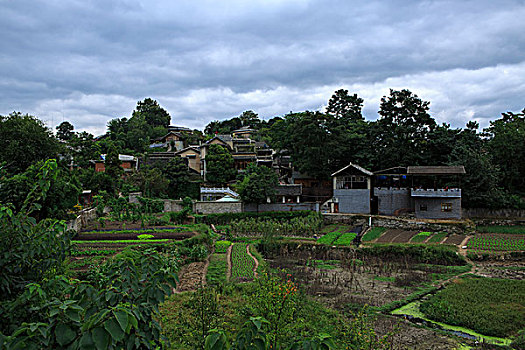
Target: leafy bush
118,309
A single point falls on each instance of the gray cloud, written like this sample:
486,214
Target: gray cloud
90,61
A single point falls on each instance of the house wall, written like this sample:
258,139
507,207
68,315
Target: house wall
353,201
393,199
100,167
434,208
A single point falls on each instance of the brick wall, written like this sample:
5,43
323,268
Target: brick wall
433,206
391,200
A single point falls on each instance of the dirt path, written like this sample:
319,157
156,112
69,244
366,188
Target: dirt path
229,260
254,259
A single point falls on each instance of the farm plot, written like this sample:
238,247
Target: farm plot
396,236
242,264
99,236
455,239
421,237
497,242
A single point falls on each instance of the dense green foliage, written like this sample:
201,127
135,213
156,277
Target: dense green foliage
219,165
258,184
25,140
226,218
222,246
299,226
489,306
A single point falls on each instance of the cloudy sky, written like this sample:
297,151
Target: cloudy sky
91,61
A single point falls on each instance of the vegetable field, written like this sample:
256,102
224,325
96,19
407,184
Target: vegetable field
490,306
493,242
242,263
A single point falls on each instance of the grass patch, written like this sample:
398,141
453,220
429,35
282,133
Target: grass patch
324,264
438,237
384,278
374,233
345,239
420,237
216,273
490,306
518,229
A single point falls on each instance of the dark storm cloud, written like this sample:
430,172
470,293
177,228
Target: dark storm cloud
89,61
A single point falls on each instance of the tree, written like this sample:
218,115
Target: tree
258,184
250,118
306,137
507,147
219,166
403,128
25,140
152,112
65,131
151,182
179,177
61,196
344,107
112,163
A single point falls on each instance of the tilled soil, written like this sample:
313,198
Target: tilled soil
510,270
192,276
396,236
454,239
408,336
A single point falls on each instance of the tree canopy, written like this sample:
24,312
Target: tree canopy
220,165
258,184
25,140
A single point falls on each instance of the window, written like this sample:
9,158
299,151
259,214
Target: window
446,206
423,207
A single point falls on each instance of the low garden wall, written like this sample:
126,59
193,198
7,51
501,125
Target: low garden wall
484,213
452,226
282,207
84,218
206,207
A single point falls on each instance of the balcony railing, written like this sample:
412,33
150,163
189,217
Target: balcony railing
440,192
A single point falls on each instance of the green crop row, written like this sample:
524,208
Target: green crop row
490,306
496,243
374,233
329,238
502,229
420,237
125,241
346,239
242,263
437,238
93,252
138,232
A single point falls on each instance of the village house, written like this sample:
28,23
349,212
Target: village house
128,163
429,192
